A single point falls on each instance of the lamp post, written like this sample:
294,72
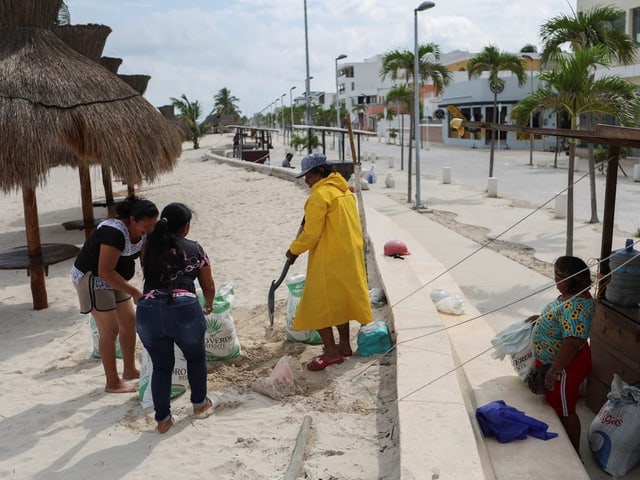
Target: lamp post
416,96
275,113
530,58
291,102
339,57
307,80
282,113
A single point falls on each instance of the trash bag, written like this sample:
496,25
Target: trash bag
374,338
281,382
515,340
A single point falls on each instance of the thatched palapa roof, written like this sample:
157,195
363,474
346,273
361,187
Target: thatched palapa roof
52,98
137,82
111,63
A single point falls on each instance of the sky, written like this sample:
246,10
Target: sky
256,48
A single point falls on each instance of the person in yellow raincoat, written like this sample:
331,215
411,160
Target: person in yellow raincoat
336,288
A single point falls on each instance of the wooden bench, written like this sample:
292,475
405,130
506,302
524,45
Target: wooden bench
17,258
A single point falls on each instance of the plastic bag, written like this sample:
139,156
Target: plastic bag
438,294
281,382
515,340
376,296
613,433
452,305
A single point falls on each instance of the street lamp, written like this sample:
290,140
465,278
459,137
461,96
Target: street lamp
416,96
282,112
275,113
530,58
307,80
339,57
291,102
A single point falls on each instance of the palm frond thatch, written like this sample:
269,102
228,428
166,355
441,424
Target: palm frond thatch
111,63
137,82
37,14
88,40
54,98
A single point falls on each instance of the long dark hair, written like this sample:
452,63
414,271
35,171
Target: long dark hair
136,207
574,267
163,254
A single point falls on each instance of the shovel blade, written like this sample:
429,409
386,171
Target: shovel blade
271,299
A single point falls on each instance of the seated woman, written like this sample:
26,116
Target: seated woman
287,160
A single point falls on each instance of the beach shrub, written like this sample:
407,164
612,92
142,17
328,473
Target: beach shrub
301,142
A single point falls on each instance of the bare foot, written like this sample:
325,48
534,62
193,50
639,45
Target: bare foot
121,387
205,410
131,374
163,427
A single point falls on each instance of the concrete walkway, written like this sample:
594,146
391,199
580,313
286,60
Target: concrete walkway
445,371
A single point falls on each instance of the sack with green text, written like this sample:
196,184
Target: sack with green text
220,339
179,379
295,286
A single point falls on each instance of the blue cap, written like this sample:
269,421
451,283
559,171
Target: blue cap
310,162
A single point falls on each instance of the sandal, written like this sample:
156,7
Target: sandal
164,426
204,411
321,362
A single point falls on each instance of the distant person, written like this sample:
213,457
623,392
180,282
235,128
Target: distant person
101,274
169,312
336,289
287,160
559,341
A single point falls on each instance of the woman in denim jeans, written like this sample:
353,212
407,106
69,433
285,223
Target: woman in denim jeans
169,311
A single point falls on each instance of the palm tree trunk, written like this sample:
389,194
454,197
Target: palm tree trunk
493,134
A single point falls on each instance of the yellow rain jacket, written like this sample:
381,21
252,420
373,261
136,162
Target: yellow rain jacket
336,288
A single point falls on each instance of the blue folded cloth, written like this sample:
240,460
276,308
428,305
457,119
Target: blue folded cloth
507,423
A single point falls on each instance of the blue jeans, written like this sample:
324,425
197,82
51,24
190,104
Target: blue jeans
159,325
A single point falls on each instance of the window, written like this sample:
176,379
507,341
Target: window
635,25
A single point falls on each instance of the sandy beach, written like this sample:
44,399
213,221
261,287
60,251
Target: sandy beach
57,421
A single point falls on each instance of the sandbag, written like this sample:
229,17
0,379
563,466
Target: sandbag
613,433
95,339
220,339
295,286
281,382
515,340
374,338
179,379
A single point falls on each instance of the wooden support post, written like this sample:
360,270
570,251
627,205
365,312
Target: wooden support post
34,247
87,201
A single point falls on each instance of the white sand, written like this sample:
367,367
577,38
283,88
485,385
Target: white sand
57,422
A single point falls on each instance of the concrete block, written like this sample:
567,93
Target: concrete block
492,187
636,172
446,175
561,206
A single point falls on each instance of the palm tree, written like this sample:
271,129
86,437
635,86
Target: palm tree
225,104
189,112
399,64
492,60
586,29
63,18
569,87
400,97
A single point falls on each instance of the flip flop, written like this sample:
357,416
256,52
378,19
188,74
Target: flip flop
206,410
321,362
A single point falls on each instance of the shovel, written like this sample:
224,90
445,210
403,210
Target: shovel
271,300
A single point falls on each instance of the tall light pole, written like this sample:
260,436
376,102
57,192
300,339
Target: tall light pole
282,112
307,80
530,58
416,95
275,113
339,57
291,102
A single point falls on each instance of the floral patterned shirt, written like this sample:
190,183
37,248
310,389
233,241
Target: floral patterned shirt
558,320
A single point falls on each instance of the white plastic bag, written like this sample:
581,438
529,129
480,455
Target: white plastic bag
515,340
613,433
452,305
281,382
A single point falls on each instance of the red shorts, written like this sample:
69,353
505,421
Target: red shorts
564,396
